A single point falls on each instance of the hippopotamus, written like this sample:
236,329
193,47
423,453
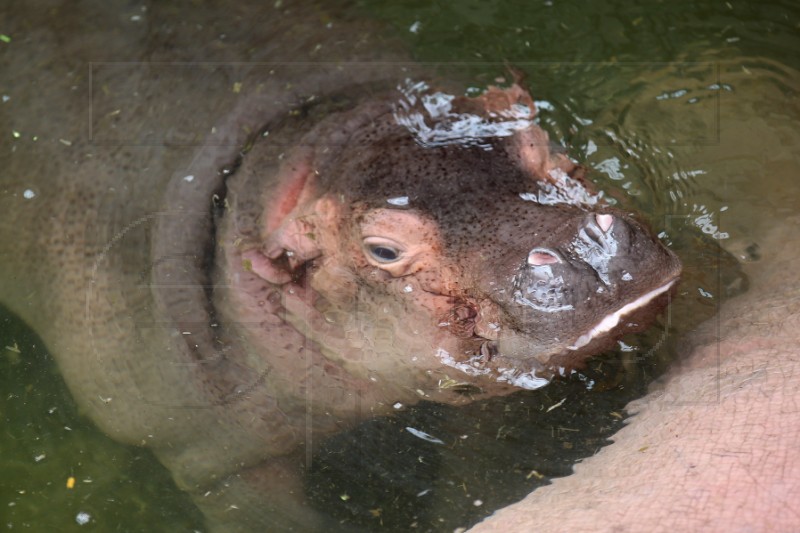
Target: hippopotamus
337,243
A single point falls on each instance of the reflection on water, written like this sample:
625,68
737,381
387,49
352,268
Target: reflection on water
687,115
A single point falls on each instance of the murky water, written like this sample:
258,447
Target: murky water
687,114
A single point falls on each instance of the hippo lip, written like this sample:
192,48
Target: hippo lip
609,322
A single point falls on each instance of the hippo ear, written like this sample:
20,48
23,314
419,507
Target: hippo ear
532,144
537,157
514,101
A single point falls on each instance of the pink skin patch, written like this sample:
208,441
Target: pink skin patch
604,221
539,258
416,238
294,189
287,226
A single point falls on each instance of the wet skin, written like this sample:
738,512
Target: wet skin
353,258
495,239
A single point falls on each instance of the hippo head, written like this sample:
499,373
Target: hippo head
479,246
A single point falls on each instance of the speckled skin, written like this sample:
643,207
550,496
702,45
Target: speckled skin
228,378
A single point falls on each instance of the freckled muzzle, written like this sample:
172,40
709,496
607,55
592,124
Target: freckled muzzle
602,273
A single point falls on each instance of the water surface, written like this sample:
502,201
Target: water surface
687,113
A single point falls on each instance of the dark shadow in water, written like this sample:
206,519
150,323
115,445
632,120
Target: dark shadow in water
487,455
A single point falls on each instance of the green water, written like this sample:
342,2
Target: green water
687,112
44,442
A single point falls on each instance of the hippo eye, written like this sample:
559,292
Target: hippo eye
382,250
383,254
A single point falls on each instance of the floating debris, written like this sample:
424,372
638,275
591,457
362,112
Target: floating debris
82,518
424,436
13,348
554,406
534,473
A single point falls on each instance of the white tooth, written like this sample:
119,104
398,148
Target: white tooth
604,221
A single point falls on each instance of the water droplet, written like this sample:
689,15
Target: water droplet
400,201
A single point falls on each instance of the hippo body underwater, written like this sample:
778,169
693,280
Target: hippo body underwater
229,305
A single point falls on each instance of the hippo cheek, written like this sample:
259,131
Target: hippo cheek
391,332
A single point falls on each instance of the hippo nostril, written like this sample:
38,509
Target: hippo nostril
604,221
541,257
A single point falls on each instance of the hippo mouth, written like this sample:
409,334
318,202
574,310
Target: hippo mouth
611,321
511,358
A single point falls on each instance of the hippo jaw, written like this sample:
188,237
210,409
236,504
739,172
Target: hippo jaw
513,358
518,349
610,322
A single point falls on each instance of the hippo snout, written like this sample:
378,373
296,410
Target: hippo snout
558,278
583,281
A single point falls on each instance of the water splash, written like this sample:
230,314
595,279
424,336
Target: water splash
430,118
